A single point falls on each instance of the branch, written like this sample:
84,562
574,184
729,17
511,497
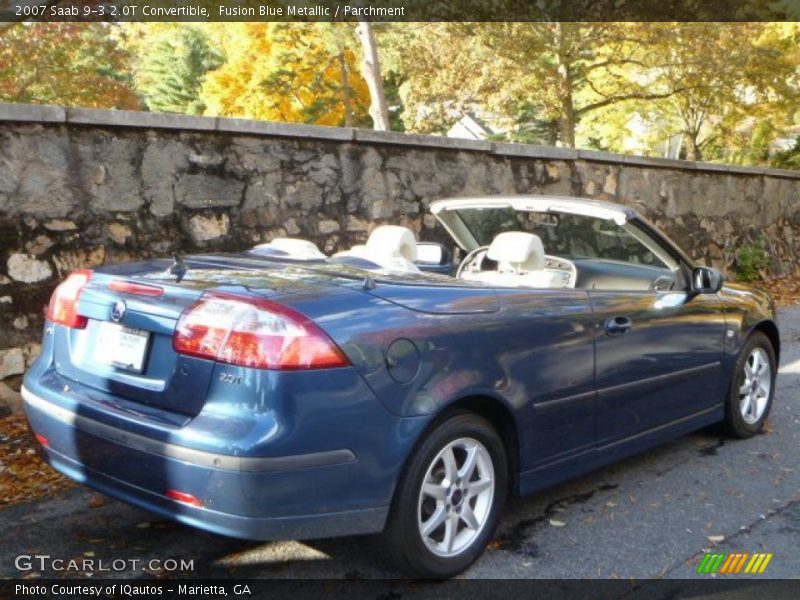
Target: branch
615,62
706,142
614,99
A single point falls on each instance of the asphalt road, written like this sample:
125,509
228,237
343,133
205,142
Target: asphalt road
648,517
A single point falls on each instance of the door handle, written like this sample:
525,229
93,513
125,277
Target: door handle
618,325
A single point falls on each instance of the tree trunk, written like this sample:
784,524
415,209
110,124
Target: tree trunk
371,69
568,123
568,119
693,150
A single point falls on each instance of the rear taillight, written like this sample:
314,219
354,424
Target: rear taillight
63,308
254,332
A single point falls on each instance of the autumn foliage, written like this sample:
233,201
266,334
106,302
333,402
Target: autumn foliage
726,92
70,64
291,72
286,72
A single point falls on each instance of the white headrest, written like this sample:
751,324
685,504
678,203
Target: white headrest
296,248
393,240
519,248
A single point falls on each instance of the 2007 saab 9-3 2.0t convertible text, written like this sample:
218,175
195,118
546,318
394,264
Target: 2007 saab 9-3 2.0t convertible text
280,393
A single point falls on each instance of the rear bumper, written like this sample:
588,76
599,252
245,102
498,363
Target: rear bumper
354,522
295,496
194,457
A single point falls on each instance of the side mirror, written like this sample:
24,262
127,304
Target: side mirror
432,256
706,280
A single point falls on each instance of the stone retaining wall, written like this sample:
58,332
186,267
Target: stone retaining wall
82,187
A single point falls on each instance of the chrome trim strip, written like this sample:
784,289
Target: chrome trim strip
632,386
564,402
623,388
199,458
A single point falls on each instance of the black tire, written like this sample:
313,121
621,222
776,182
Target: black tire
402,539
735,423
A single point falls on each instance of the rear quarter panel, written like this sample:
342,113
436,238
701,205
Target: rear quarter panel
518,348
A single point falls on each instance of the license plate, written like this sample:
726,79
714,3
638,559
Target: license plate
121,347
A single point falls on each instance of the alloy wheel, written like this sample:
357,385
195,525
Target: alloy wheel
456,497
756,384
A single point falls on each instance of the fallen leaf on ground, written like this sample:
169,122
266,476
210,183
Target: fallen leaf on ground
97,500
784,290
24,476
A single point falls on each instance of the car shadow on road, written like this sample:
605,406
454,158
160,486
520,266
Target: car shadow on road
359,557
116,530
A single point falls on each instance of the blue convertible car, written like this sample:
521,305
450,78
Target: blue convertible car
282,393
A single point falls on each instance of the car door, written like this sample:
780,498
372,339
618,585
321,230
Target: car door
546,349
658,357
658,351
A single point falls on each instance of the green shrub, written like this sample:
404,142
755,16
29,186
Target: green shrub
751,260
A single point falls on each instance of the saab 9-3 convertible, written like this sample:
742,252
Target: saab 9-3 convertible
282,393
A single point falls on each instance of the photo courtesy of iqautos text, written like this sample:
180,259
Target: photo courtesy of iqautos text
399,298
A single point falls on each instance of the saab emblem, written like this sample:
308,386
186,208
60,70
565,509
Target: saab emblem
118,311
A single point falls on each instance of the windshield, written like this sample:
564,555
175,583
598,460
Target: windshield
565,235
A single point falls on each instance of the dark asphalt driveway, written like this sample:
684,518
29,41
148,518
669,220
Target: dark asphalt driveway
650,516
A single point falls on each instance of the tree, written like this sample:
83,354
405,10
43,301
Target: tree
71,64
170,67
564,70
285,72
442,74
724,80
371,70
733,86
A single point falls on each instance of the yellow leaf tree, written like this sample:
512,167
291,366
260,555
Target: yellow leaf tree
71,64
291,72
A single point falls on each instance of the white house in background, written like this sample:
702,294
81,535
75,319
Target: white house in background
785,140
640,130
472,127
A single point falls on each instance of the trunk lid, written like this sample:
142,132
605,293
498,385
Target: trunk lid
126,347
